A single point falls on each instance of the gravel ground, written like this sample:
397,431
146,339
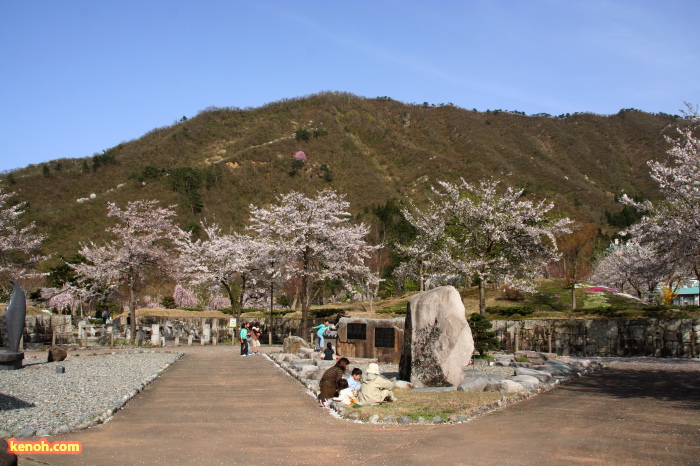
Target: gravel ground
39,401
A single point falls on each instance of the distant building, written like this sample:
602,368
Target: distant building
687,296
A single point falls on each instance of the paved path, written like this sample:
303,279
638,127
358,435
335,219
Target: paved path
215,407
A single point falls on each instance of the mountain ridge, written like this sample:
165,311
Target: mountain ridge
216,164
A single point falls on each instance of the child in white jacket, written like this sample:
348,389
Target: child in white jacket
345,393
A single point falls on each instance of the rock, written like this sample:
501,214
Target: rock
421,420
26,433
403,420
557,365
462,418
324,365
316,375
534,357
353,416
286,357
454,419
541,376
438,342
494,377
5,434
529,382
373,419
389,420
6,458
402,385
388,358
509,386
292,344
307,368
473,384
297,363
437,420
56,353
43,433
306,353
435,389
64,429
473,373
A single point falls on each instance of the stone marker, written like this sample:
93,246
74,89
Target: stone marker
15,313
438,342
293,343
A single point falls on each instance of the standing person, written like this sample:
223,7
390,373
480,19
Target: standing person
321,332
329,381
255,339
244,339
340,315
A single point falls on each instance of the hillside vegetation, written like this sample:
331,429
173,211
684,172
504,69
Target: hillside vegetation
217,163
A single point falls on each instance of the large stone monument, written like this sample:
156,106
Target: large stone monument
11,358
438,343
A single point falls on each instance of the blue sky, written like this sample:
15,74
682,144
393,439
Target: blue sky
79,77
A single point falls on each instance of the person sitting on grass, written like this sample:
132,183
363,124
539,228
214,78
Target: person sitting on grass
375,389
354,379
345,394
329,381
328,352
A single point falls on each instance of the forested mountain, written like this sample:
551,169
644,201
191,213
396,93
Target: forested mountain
217,163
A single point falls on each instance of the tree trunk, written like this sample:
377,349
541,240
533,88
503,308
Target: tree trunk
132,308
305,302
482,298
573,296
240,300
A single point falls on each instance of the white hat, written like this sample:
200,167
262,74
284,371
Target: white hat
373,368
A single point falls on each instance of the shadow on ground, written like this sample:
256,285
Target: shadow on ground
665,385
8,402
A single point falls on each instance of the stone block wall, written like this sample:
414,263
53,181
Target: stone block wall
40,329
602,337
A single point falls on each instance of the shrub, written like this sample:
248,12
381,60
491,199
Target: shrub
302,135
509,311
484,339
168,302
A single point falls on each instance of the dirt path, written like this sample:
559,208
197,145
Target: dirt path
215,407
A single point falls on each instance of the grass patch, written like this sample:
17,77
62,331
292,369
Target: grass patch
428,404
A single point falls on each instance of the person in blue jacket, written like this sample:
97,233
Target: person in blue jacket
321,331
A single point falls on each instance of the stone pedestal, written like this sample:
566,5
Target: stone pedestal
11,360
177,340
189,340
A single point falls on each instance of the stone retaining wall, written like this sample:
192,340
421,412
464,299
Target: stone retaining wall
39,330
602,337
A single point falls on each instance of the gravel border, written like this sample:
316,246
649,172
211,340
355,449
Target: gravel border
38,401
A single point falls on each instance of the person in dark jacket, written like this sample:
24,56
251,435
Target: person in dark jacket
329,381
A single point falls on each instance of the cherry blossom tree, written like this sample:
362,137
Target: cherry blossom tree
672,226
632,265
225,260
19,245
184,298
313,240
476,231
139,250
